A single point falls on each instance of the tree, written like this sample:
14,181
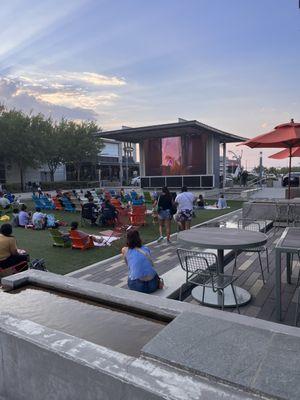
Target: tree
20,142
51,150
81,143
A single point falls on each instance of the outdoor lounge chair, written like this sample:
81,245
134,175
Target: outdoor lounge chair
121,227
79,243
58,238
252,225
138,215
201,269
14,269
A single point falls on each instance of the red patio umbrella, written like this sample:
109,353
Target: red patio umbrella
286,153
284,135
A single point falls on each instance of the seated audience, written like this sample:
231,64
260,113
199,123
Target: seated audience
4,202
9,254
200,201
24,217
39,219
108,212
222,202
142,276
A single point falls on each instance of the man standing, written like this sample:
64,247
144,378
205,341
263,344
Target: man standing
185,201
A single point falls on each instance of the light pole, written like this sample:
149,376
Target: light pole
127,150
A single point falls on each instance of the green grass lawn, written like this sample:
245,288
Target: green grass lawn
61,261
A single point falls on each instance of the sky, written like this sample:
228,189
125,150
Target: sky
231,64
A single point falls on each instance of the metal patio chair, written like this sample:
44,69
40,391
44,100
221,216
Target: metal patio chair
201,269
254,226
284,216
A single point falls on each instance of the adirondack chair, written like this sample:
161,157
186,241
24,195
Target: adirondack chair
58,238
14,269
79,243
138,215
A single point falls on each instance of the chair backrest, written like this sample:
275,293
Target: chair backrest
87,212
249,225
284,211
80,243
123,217
198,263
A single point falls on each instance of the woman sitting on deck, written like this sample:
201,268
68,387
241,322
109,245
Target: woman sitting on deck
142,277
9,254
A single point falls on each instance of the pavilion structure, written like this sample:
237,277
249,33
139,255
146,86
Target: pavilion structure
185,153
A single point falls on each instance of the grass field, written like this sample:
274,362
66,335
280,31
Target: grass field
61,261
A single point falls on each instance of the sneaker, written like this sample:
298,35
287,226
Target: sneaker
160,239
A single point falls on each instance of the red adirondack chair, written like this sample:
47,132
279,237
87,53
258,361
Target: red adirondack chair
80,243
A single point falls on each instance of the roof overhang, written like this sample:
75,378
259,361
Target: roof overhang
137,135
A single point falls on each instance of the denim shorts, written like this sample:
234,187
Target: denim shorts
164,214
143,286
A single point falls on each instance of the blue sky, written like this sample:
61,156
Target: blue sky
232,64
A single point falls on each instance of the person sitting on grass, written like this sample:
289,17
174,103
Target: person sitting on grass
221,202
24,217
200,201
142,276
84,236
9,253
39,220
15,217
4,202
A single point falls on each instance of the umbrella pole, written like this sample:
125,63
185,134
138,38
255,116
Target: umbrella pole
290,167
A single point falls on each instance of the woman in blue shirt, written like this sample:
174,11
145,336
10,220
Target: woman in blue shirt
142,277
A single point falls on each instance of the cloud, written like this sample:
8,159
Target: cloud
63,94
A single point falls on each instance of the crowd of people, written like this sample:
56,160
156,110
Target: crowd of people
142,275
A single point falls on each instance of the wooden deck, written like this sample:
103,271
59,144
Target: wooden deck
262,304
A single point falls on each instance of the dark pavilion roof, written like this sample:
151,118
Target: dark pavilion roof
136,135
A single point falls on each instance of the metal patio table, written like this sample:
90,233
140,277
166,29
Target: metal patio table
222,239
289,243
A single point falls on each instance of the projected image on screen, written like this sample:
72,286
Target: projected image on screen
171,150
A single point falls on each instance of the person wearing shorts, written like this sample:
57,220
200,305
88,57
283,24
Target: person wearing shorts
164,208
185,202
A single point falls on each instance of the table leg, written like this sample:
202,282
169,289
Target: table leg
278,283
221,261
288,268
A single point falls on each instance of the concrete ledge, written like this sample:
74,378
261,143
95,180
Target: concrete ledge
41,363
77,369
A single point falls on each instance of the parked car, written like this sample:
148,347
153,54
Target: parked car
136,181
295,179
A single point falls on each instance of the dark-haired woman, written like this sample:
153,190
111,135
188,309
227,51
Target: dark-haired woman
9,254
142,277
165,205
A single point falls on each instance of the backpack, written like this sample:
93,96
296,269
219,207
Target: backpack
38,264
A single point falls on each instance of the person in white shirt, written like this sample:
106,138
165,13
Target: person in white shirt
38,219
185,202
4,202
